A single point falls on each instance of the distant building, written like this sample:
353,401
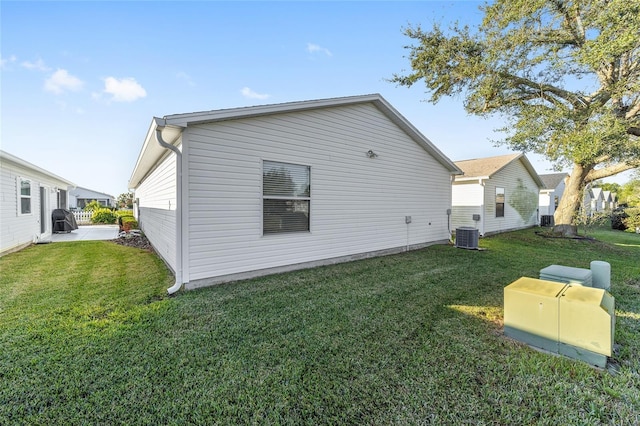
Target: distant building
80,197
495,194
550,195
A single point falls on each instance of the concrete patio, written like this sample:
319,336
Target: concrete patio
87,233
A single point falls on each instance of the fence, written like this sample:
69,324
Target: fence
82,217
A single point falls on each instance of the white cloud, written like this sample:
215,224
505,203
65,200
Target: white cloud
60,81
37,65
186,78
313,48
6,61
250,94
124,89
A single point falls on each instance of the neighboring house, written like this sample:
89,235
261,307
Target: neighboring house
550,195
593,201
244,192
80,197
596,200
496,194
28,195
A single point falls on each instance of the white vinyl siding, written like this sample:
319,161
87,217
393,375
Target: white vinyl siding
517,183
16,229
358,205
157,208
467,200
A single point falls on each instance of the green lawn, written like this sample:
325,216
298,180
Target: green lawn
87,336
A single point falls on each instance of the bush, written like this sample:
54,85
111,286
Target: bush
128,223
103,215
632,221
618,216
92,206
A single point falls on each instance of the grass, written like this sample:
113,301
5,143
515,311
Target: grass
88,336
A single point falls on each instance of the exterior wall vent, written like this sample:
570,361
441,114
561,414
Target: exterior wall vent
467,237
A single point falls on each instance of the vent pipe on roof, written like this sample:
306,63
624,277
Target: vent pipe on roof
178,284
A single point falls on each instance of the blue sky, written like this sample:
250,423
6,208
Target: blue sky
81,81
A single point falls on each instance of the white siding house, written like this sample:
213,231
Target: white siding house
28,195
80,197
495,194
550,195
244,192
593,200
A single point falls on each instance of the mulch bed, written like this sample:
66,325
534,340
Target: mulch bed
134,240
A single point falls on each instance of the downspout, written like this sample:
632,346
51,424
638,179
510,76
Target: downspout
178,284
483,213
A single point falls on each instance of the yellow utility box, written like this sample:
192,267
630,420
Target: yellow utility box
531,312
587,324
571,320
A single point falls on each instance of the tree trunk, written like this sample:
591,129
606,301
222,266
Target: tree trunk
570,202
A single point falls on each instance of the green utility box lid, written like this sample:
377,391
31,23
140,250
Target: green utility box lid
567,274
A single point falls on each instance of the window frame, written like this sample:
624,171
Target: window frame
21,196
292,197
499,211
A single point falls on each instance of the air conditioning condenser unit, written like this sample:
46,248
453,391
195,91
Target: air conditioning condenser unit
467,237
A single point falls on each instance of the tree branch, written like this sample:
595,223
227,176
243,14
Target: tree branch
633,112
611,170
572,98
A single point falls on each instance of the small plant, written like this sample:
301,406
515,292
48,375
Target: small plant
588,222
128,223
103,215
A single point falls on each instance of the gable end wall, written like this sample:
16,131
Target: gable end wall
358,204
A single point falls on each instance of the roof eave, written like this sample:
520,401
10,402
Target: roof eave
20,162
151,150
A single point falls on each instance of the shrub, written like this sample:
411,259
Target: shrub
128,223
632,221
92,206
103,215
618,216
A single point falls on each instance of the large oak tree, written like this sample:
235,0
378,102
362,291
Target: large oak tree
564,74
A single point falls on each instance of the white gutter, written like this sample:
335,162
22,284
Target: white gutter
159,127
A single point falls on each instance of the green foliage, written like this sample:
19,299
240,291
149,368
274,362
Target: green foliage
124,213
608,186
409,339
632,221
590,221
564,74
92,205
128,222
103,215
630,192
617,219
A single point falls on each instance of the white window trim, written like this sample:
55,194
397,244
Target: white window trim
19,198
276,197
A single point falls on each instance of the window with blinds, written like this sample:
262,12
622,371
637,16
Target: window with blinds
24,196
286,197
499,202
